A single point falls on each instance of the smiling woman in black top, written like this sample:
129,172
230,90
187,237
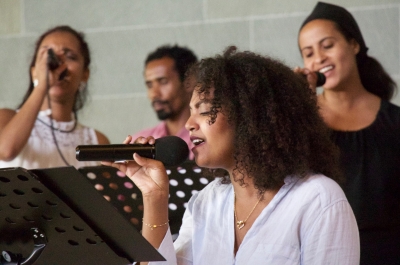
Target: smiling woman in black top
364,124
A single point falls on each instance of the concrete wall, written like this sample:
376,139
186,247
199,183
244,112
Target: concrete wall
121,33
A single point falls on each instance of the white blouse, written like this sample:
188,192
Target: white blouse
309,221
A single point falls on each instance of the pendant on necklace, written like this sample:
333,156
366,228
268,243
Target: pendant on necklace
240,224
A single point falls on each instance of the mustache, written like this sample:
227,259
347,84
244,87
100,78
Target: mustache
163,102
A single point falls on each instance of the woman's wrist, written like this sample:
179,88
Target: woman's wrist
156,197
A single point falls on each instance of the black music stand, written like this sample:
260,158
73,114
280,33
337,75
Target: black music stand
55,216
185,180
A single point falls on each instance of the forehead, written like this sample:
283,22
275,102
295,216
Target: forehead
61,38
202,97
316,30
163,65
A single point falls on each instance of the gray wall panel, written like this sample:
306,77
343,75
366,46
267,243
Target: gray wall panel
15,57
381,34
118,57
40,14
240,8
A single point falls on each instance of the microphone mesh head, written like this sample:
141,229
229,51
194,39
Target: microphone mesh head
320,79
171,150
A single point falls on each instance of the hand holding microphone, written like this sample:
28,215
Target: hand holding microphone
53,63
52,60
149,175
315,79
320,79
170,150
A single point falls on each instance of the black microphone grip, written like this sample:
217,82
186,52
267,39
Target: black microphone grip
320,79
170,150
53,63
114,152
52,60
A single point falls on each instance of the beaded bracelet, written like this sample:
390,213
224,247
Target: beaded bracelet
154,226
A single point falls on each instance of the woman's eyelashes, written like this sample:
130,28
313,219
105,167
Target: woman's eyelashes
327,46
307,53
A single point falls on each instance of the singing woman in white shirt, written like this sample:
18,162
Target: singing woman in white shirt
279,203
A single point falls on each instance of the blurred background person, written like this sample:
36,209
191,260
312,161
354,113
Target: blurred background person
44,130
364,125
164,74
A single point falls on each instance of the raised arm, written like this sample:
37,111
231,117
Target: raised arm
16,127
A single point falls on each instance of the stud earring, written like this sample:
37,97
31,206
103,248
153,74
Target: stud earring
35,82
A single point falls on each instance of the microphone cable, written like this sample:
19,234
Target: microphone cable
51,119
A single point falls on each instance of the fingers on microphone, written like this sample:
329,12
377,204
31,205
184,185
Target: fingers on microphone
138,159
145,162
151,140
120,165
305,71
111,164
140,140
145,140
128,139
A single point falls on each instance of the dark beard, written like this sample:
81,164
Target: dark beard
163,115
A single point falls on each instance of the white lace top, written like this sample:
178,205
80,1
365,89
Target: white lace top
41,151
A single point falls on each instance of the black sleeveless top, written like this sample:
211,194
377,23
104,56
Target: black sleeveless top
370,161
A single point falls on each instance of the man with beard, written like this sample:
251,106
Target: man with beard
164,74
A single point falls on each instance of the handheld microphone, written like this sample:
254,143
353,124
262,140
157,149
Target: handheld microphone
320,79
53,63
170,150
52,60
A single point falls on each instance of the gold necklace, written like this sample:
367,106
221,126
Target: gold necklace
240,223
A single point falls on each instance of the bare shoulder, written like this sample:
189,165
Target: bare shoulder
101,138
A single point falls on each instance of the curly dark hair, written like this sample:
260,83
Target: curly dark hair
81,96
278,130
182,56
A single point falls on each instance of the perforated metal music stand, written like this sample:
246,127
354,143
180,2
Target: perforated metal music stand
185,180
57,215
